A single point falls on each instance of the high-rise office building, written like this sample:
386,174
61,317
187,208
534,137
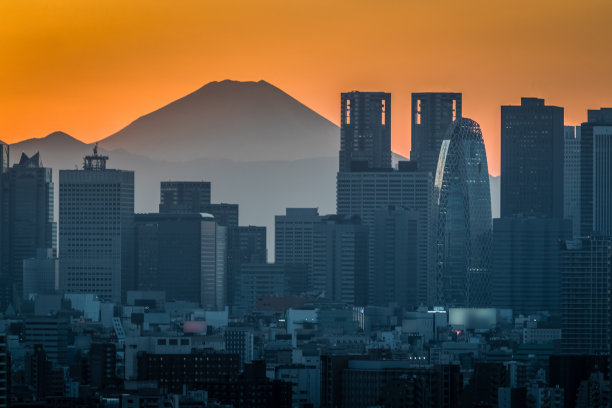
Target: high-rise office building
596,173
5,281
169,253
432,113
293,236
27,216
40,273
340,259
252,241
365,131
526,263
532,144
585,296
96,218
363,193
213,284
571,177
464,222
593,132
184,196
400,256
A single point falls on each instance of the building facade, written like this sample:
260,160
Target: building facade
27,217
585,296
363,193
432,113
571,177
464,220
184,196
96,231
365,131
532,144
526,263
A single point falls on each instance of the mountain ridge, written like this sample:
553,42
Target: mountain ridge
238,120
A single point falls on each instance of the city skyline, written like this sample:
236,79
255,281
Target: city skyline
116,66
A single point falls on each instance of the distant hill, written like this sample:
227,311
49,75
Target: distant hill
241,121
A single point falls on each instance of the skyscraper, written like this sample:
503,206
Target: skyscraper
169,253
596,173
571,177
96,218
526,263
340,259
214,285
184,196
464,222
532,141
365,131
400,256
293,236
5,282
585,296
28,212
252,241
432,113
363,193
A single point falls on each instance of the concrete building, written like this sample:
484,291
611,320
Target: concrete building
585,296
293,237
96,232
213,283
40,274
169,251
571,177
256,281
365,131
363,193
432,113
26,217
340,259
184,196
52,333
401,257
5,372
252,242
306,381
526,263
532,144
595,173
464,221
239,341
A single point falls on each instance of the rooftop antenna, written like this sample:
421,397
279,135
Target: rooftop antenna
95,161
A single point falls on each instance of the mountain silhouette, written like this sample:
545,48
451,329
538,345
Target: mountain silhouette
241,121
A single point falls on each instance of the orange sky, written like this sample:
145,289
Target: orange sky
90,67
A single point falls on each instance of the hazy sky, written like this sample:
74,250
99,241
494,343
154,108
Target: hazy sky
91,67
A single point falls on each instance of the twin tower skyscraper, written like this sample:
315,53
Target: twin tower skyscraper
437,206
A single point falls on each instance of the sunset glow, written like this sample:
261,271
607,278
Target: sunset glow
89,68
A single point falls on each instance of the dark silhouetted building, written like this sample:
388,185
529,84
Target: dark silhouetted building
340,259
96,217
5,372
401,259
102,364
568,371
585,296
252,241
432,113
365,131
52,332
571,178
363,193
184,196
595,173
532,144
526,263
40,272
464,222
26,217
174,371
169,253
